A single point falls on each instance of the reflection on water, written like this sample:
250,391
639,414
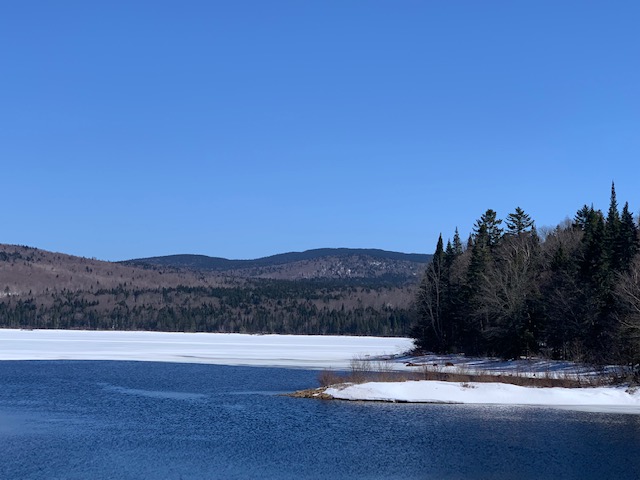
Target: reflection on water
78,420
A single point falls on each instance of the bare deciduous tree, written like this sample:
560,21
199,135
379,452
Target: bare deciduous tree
628,292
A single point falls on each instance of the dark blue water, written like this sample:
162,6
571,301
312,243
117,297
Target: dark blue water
128,420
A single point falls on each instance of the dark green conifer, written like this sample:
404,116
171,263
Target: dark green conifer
491,225
628,235
518,222
449,255
594,266
430,331
612,232
449,249
582,217
457,244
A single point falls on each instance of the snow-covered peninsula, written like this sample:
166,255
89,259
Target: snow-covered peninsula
602,399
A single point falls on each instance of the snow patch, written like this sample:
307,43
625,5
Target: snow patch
619,399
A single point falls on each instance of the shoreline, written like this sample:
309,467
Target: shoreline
331,353
619,399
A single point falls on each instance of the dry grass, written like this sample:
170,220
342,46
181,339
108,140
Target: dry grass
535,380
365,370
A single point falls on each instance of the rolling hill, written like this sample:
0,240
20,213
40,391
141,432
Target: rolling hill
327,291
325,263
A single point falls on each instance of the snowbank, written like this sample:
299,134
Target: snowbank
291,351
603,399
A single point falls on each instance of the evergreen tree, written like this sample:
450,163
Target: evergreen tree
628,235
470,242
596,276
449,255
480,254
430,331
612,232
453,250
476,319
567,304
518,222
457,244
594,266
491,225
582,217
449,250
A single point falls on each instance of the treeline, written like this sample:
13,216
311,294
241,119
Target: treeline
572,292
257,306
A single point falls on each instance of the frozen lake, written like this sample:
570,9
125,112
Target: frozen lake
292,351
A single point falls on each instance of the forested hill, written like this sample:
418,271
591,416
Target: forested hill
365,292
325,263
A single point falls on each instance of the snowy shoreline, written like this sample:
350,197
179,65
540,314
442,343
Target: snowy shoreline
308,352
594,399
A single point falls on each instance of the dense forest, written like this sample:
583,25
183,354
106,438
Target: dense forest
255,306
571,292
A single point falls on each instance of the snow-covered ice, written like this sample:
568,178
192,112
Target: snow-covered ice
292,351
602,399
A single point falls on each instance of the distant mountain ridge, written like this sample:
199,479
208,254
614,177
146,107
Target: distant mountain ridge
323,263
204,262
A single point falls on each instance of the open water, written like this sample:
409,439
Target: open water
135,420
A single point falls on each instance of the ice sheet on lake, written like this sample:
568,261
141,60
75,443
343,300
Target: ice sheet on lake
292,351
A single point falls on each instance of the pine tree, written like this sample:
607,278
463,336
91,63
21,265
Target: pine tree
430,331
449,255
475,320
454,249
457,244
448,251
628,239
612,232
491,225
480,254
582,217
596,276
594,266
518,222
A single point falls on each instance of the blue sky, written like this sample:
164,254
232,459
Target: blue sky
248,128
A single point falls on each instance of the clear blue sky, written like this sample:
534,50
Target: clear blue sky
247,128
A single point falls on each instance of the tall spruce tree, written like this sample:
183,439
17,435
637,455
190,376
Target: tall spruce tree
448,251
612,232
457,244
629,242
582,217
480,255
489,220
430,331
594,267
518,222
485,239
